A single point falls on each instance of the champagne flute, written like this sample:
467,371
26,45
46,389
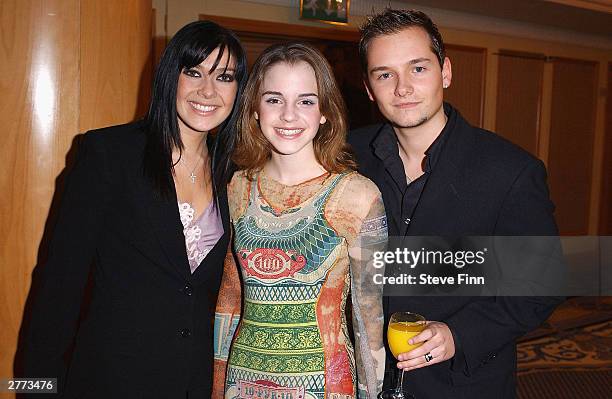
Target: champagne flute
402,327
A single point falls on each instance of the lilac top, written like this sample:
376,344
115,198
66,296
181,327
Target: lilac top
201,234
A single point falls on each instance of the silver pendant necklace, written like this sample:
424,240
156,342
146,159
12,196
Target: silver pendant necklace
192,174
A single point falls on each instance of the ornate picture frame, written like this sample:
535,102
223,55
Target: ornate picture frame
328,11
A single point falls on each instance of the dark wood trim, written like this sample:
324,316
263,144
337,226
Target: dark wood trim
605,202
292,30
483,89
465,48
574,61
521,54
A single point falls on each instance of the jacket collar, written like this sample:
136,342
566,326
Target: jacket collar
163,215
444,186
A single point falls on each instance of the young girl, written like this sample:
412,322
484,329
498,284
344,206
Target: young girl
304,224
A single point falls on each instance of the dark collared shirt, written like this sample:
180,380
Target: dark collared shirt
386,148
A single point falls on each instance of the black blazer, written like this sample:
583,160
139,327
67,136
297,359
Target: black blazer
147,331
481,185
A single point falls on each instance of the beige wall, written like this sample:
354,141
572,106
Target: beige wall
482,32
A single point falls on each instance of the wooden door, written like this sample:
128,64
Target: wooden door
466,93
572,132
605,221
519,98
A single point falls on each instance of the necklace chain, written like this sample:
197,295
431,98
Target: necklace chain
192,174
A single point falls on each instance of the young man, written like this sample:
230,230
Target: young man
439,176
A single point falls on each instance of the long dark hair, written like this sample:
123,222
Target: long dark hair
191,45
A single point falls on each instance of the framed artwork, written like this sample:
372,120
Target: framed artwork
330,11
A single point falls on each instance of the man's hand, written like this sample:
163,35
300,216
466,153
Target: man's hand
437,340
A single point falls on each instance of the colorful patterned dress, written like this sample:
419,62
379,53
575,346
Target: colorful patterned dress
301,251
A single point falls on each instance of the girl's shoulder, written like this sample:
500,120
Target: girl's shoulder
238,191
353,184
354,200
239,178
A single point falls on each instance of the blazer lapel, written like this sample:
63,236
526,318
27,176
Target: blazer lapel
438,194
213,262
224,208
378,174
166,225
384,148
443,187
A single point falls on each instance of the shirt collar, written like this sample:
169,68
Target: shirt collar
386,147
385,143
432,154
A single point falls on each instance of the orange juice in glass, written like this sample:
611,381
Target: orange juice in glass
402,327
398,334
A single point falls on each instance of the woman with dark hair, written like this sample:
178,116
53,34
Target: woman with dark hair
145,204
305,223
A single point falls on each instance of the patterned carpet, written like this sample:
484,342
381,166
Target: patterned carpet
564,361
566,385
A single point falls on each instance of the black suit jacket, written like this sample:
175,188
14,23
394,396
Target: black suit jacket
481,185
147,331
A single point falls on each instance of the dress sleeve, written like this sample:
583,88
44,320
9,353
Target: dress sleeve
227,317
360,215
229,302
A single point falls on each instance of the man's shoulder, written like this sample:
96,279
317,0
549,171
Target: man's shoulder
500,149
363,136
495,148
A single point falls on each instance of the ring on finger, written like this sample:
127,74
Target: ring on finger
428,357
